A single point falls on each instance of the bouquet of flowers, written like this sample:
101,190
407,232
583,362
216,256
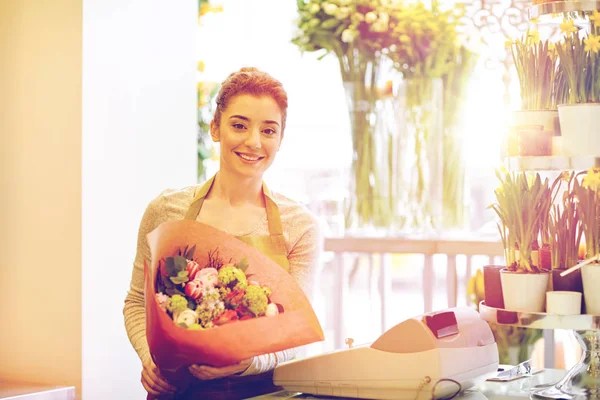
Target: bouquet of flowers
201,309
200,297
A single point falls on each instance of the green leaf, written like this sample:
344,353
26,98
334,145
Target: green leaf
190,253
173,291
181,278
243,264
182,325
180,263
170,266
329,23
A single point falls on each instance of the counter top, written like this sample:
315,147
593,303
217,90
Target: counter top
516,389
35,391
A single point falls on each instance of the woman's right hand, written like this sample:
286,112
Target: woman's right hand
153,381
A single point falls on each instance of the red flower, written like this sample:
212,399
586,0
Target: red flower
194,289
244,313
227,317
192,268
234,298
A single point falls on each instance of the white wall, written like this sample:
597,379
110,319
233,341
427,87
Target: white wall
139,137
40,187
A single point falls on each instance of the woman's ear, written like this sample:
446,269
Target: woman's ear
214,131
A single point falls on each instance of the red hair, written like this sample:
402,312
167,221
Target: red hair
253,82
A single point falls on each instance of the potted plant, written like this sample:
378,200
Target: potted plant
542,87
565,237
518,205
515,344
588,197
579,115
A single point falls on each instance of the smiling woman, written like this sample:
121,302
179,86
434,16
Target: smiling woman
249,123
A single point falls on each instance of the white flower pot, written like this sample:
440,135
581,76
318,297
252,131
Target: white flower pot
524,292
547,119
563,303
580,129
590,275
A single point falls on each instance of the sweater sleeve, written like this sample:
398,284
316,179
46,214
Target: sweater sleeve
134,309
303,258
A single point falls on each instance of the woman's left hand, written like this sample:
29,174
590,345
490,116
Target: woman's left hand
207,372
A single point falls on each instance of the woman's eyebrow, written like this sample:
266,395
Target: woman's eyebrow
268,121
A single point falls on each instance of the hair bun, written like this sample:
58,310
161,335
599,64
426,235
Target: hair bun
248,69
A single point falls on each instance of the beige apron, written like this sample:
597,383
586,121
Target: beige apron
273,246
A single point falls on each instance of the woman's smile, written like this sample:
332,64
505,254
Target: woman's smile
249,158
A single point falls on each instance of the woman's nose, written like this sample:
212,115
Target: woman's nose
253,138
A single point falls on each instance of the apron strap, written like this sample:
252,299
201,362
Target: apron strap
273,215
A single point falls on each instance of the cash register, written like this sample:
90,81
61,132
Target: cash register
435,355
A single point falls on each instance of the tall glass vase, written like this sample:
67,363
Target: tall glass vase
418,188
368,209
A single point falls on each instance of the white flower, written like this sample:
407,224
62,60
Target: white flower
370,17
379,26
348,35
271,310
385,17
187,317
330,9
342,13
209,277
357,17
313,8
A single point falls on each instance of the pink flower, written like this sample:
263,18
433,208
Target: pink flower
162,300
194,289
209,277
192,269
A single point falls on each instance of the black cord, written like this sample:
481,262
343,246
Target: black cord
446,380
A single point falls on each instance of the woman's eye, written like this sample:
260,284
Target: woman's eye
238,126
270,131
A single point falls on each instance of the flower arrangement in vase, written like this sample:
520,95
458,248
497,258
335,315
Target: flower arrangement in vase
579,62
588,198
542,87
369,38
519,202
427,53
357,33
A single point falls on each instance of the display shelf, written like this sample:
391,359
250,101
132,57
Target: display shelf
561,7
552,163
583,380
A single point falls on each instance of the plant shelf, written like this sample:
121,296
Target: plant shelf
552,163
562,7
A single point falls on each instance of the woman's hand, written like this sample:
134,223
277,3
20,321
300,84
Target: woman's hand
207,372
153,381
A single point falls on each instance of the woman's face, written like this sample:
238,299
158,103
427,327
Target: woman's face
249,134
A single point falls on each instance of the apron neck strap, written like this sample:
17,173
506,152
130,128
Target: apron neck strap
273,216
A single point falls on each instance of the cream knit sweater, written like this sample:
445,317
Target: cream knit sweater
304,244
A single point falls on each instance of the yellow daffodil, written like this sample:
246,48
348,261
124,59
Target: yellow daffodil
534,21
592,179
530,180
592,43
568,27
533,36
595,17
200,66
508,44
565,176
